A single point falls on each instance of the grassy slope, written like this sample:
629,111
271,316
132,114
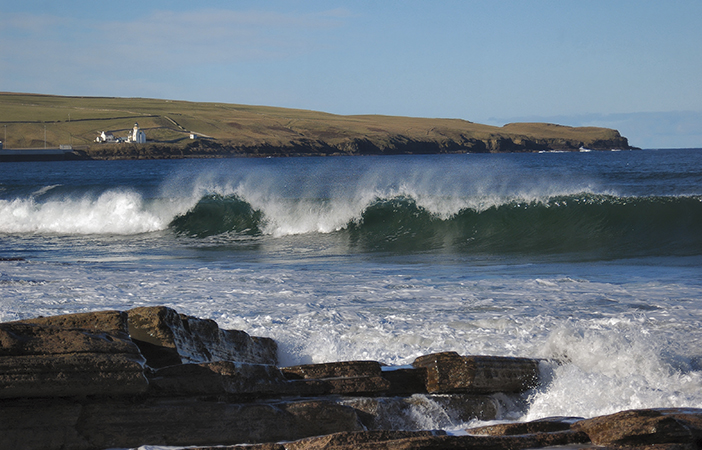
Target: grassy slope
78,120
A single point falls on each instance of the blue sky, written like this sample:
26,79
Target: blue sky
632,65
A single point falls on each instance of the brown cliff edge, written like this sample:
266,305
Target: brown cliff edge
151,376
178,129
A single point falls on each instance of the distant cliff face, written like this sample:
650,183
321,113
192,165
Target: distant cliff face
418,136
357,146
177,129
400,145
559,137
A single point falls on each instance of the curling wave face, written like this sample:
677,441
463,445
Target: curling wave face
397,217
581,222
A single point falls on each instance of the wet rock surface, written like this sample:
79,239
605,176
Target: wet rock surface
645,427
449,372
60,357
168,338
152,376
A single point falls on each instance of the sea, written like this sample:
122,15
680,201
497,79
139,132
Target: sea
589,261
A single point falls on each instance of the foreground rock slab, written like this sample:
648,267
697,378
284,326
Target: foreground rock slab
63,423
546,425
168,338
449,372
183,421
408,413
152,376
219,378
659,429
39,359
645,427
419,441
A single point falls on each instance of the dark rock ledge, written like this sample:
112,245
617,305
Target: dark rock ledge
151,376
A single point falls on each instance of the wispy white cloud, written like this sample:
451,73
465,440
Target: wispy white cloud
112,48
170,38
217,36
28,23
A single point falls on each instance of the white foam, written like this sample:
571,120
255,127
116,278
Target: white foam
611,357
112,212
294,204
611,365
625,338
289,206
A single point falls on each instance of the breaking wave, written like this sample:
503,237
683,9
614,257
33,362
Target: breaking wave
584,222
112,212
371,218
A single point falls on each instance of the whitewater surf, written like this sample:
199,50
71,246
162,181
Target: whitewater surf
590,259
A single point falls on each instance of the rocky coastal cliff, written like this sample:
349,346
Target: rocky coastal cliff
153,376
177,129
512,141
511,138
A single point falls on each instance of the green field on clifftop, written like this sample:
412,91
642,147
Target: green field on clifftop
28,118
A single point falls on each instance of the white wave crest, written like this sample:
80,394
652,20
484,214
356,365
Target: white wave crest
612,365
113,212
290,203
297,205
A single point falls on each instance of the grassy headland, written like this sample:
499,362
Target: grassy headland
239,130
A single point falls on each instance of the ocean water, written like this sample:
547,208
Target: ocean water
592,260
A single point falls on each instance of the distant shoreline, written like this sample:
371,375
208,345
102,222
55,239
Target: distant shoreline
177,129
157,152
41,154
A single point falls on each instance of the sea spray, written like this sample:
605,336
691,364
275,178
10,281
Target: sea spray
588,261
112,212
604,366
599,226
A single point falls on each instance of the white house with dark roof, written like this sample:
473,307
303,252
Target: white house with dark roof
105,136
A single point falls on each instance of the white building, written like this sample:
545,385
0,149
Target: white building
137,136
105,136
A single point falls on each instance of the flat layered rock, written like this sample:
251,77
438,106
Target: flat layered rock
63,424
338,378
71,375
645,427
168,338
44,360
370,385
40,424
24,339
111,322
183,422
151,376
405,380
354,439
449,372
418,440
218,378
334,370
350,377
409,413
546,425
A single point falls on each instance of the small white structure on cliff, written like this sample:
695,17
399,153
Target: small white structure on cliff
137,136
105,136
